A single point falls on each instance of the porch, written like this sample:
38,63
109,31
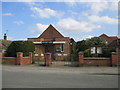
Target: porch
56,48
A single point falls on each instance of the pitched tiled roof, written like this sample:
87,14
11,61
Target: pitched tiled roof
103,35
4,43
113,43
114,37
111,37
51,32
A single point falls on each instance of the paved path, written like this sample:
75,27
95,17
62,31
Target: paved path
59,77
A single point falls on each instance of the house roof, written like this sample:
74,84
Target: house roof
111,37
51,32
114,37
4,43
113,43
103,35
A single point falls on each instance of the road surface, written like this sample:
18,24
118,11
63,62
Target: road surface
59,77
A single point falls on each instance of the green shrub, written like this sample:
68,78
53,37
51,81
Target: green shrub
74,53
85,46
107,51
95,55
20,46
87,53
74,56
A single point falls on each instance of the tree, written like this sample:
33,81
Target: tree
81,45
95,41
85,45
20,46
74,53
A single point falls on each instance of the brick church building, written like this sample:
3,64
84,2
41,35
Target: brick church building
51,41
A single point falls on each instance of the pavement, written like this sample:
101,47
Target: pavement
34,76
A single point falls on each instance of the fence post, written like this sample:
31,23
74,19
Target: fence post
2,54
118,54
81,59
19,58
114,58
30,55
47,59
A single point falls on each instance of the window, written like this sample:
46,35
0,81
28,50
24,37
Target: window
106,42
60,48
99,50
93,50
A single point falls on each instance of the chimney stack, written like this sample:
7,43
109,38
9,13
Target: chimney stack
5,37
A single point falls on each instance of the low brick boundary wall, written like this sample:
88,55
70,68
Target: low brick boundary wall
9,60
118,53
19,60
98,61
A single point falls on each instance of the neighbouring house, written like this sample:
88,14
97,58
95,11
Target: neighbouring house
4,43
51,41
109,40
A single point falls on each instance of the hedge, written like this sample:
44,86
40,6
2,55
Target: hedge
20,46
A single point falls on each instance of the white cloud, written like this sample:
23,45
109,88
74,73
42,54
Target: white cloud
73,3
71,25
103,19
113,6
45,13
9,38
39,28
25,0
19,39
7,14
98,7
84,37
18,22
61,0
87,37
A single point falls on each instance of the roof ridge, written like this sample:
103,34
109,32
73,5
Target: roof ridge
51,32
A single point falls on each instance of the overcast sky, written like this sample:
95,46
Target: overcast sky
78,20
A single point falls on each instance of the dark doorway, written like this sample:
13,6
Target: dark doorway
49,49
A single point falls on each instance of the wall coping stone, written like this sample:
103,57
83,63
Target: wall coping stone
26,57
47,53
80,53
100,58
20,52
113,52
7,57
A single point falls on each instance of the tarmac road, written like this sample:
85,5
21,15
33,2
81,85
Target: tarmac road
56,77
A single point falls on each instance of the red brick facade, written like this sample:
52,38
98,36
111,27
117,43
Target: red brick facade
51,41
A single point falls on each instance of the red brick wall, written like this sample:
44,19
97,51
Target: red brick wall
2,54
9,60
118,54
19,60
95,61
114,58
102,62
25,60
